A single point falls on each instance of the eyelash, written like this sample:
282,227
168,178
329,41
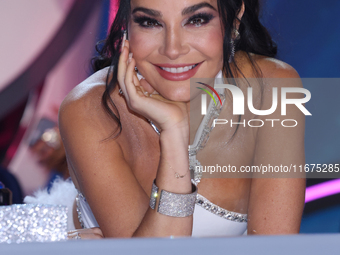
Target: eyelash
204,17
144,19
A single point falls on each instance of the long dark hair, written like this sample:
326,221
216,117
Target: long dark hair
254,38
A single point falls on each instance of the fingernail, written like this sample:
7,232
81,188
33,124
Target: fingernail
146,93
124,39
130,58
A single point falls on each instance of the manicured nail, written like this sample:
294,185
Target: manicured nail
130,58
124,39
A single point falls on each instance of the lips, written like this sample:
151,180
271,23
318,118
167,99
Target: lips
177,72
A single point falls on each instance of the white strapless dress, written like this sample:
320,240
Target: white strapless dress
209,220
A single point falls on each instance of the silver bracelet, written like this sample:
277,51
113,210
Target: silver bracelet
173,204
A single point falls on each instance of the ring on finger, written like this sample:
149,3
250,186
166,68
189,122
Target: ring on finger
121,92
73,235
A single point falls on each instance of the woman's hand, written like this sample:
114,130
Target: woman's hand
87,233
164,113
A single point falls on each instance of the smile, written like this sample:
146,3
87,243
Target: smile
180,72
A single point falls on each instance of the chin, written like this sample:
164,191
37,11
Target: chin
177,97
178,93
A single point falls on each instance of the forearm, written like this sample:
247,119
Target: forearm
173,161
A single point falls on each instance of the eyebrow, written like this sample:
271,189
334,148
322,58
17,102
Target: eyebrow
185,11
196,7
150,12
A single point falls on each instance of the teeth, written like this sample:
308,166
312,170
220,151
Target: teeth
178,70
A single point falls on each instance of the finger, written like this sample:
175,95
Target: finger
124,39
140,89
122,66
85,234
130,81
147,87
94,230
73,235
97,231
136,80
159,97
90,236
155,93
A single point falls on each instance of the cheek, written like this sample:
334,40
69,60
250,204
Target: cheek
209,43
216,43
141,45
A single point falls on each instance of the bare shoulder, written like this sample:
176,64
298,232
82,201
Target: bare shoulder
277,74
274,68
82,107
85,95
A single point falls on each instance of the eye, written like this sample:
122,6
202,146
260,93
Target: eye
146,22
150,23
197,22
200,19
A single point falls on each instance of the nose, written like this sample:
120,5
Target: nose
174,44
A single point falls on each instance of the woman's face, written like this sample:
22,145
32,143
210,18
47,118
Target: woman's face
173,41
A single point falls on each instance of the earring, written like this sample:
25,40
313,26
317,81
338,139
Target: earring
232,44
232,52
237,34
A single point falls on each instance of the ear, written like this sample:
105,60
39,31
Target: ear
239,16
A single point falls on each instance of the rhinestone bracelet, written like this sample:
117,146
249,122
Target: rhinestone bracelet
173,204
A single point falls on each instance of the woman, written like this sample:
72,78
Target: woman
169,43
